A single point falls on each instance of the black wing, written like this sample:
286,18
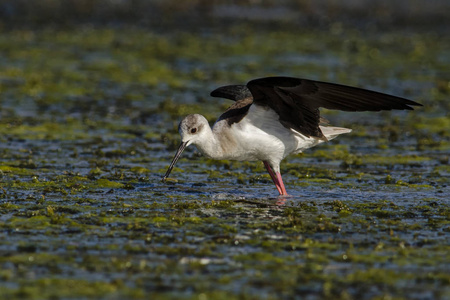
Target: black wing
243,97
232,92
297,101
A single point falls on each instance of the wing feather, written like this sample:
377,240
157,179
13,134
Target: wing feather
297,101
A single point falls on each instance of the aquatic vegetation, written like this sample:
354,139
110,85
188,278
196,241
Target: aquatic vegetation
89,124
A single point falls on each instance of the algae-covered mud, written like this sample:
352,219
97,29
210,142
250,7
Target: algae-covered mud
88,127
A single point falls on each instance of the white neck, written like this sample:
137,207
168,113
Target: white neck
208,144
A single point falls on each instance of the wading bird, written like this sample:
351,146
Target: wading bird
274,117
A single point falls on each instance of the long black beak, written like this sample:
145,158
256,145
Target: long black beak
175,159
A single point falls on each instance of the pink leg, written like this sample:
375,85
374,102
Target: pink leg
280,182
272,175
276,178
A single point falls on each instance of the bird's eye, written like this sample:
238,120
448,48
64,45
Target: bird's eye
193,130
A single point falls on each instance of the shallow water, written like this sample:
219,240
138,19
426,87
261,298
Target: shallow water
88,130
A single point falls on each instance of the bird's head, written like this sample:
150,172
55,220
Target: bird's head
192,130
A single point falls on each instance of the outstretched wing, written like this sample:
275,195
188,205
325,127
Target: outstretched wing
233,92
243,97
297,101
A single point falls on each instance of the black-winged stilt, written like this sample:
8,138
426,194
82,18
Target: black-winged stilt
274,117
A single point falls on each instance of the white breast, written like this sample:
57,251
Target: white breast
261,136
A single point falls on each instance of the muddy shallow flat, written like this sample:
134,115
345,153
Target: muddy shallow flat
89,125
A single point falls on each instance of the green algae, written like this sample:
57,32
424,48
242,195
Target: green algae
65,288
15,170
105,183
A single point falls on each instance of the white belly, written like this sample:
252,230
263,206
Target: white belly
260,136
